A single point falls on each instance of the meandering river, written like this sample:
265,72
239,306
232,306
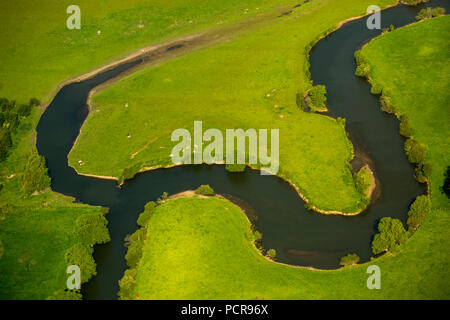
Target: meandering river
300,237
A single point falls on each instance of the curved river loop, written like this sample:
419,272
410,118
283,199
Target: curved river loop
300,237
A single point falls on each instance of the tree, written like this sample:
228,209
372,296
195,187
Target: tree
134,253
271,253
24,110
2,248
66,295
445,188
130,172
414,150
144,217
413,2
204,189
351,258
7,105
405,126
391,235
92,229
376,89
438,12
127,284
81,255
34,102
163,197
423,171
363,180
235,167
35,176
135,245
419,209
5,143
362,70
317,97
386,103
424,14
428,13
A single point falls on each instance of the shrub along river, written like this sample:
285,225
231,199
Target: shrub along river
300,237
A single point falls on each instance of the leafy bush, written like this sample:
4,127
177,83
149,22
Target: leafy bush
162,197
391,235
317,97
363,180
405,126
438,12
91,228
375,89
130,172
428,13
235,167
127,284
144,217
2,248
135,247
359,58
423,172
81,255
415,151
134,254
351,258
362,70
34,102
5,143
35,176
24,110
7,105
413,2
419,209
386,103
204,189
66,295
271,253
135,244
445,188
341,121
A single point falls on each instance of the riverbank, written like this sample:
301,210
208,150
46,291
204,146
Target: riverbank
323,185
137,180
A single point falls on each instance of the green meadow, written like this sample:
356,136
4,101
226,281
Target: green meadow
35,230
412,65
38,52
249,82
206,245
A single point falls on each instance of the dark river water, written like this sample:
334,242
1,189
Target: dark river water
300,237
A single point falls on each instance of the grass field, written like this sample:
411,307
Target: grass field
249,82
199,249
36,239
205,241
421,51
38,52
37,230
36,42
